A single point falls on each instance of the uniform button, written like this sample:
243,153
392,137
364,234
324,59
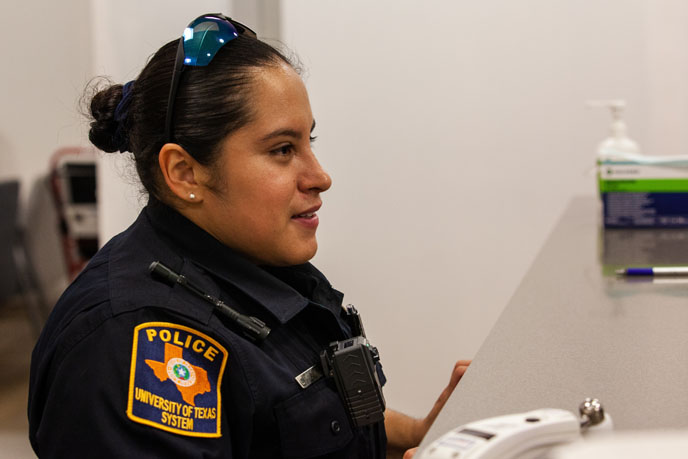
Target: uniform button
335,427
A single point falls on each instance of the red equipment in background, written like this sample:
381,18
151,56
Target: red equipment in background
73,182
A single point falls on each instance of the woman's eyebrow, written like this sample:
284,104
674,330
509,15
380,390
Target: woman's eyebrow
285,132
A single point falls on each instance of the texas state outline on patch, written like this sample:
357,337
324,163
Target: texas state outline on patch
190,380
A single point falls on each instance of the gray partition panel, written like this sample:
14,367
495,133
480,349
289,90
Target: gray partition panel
573,330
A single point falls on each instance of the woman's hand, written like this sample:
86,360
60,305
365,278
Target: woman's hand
457,373
404,432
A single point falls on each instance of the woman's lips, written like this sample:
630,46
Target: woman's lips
309,219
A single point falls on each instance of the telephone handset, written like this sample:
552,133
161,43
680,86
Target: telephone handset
520,435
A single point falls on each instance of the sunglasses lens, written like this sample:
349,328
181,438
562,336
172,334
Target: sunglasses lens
204,37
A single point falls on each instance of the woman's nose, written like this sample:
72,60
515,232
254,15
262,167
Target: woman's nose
315,178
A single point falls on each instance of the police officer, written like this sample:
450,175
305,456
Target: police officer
220,126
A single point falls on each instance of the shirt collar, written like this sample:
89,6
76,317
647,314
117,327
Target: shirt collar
284,292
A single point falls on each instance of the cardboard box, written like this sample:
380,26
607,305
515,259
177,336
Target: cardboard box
644,192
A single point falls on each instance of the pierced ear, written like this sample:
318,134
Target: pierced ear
181,172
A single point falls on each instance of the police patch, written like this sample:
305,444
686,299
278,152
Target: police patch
176,374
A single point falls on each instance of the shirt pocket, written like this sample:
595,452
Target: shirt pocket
313,422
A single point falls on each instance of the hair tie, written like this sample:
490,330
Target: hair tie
121,113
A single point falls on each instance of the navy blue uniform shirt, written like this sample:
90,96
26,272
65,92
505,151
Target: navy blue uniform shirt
128,366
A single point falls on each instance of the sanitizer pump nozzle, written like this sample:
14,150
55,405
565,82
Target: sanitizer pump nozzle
618,144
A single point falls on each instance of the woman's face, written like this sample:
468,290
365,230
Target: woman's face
266,204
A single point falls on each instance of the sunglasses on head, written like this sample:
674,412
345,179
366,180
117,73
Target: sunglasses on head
199,44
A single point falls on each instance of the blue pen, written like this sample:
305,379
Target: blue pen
655,271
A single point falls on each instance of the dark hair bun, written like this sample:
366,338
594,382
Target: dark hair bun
105,132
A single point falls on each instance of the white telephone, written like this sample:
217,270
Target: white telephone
524,435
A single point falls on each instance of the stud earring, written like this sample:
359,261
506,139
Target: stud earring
192,196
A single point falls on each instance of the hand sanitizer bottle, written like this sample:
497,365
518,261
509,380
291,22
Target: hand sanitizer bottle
618,146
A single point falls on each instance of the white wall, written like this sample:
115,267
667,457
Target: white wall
45,66
45,62
666,66
456,133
